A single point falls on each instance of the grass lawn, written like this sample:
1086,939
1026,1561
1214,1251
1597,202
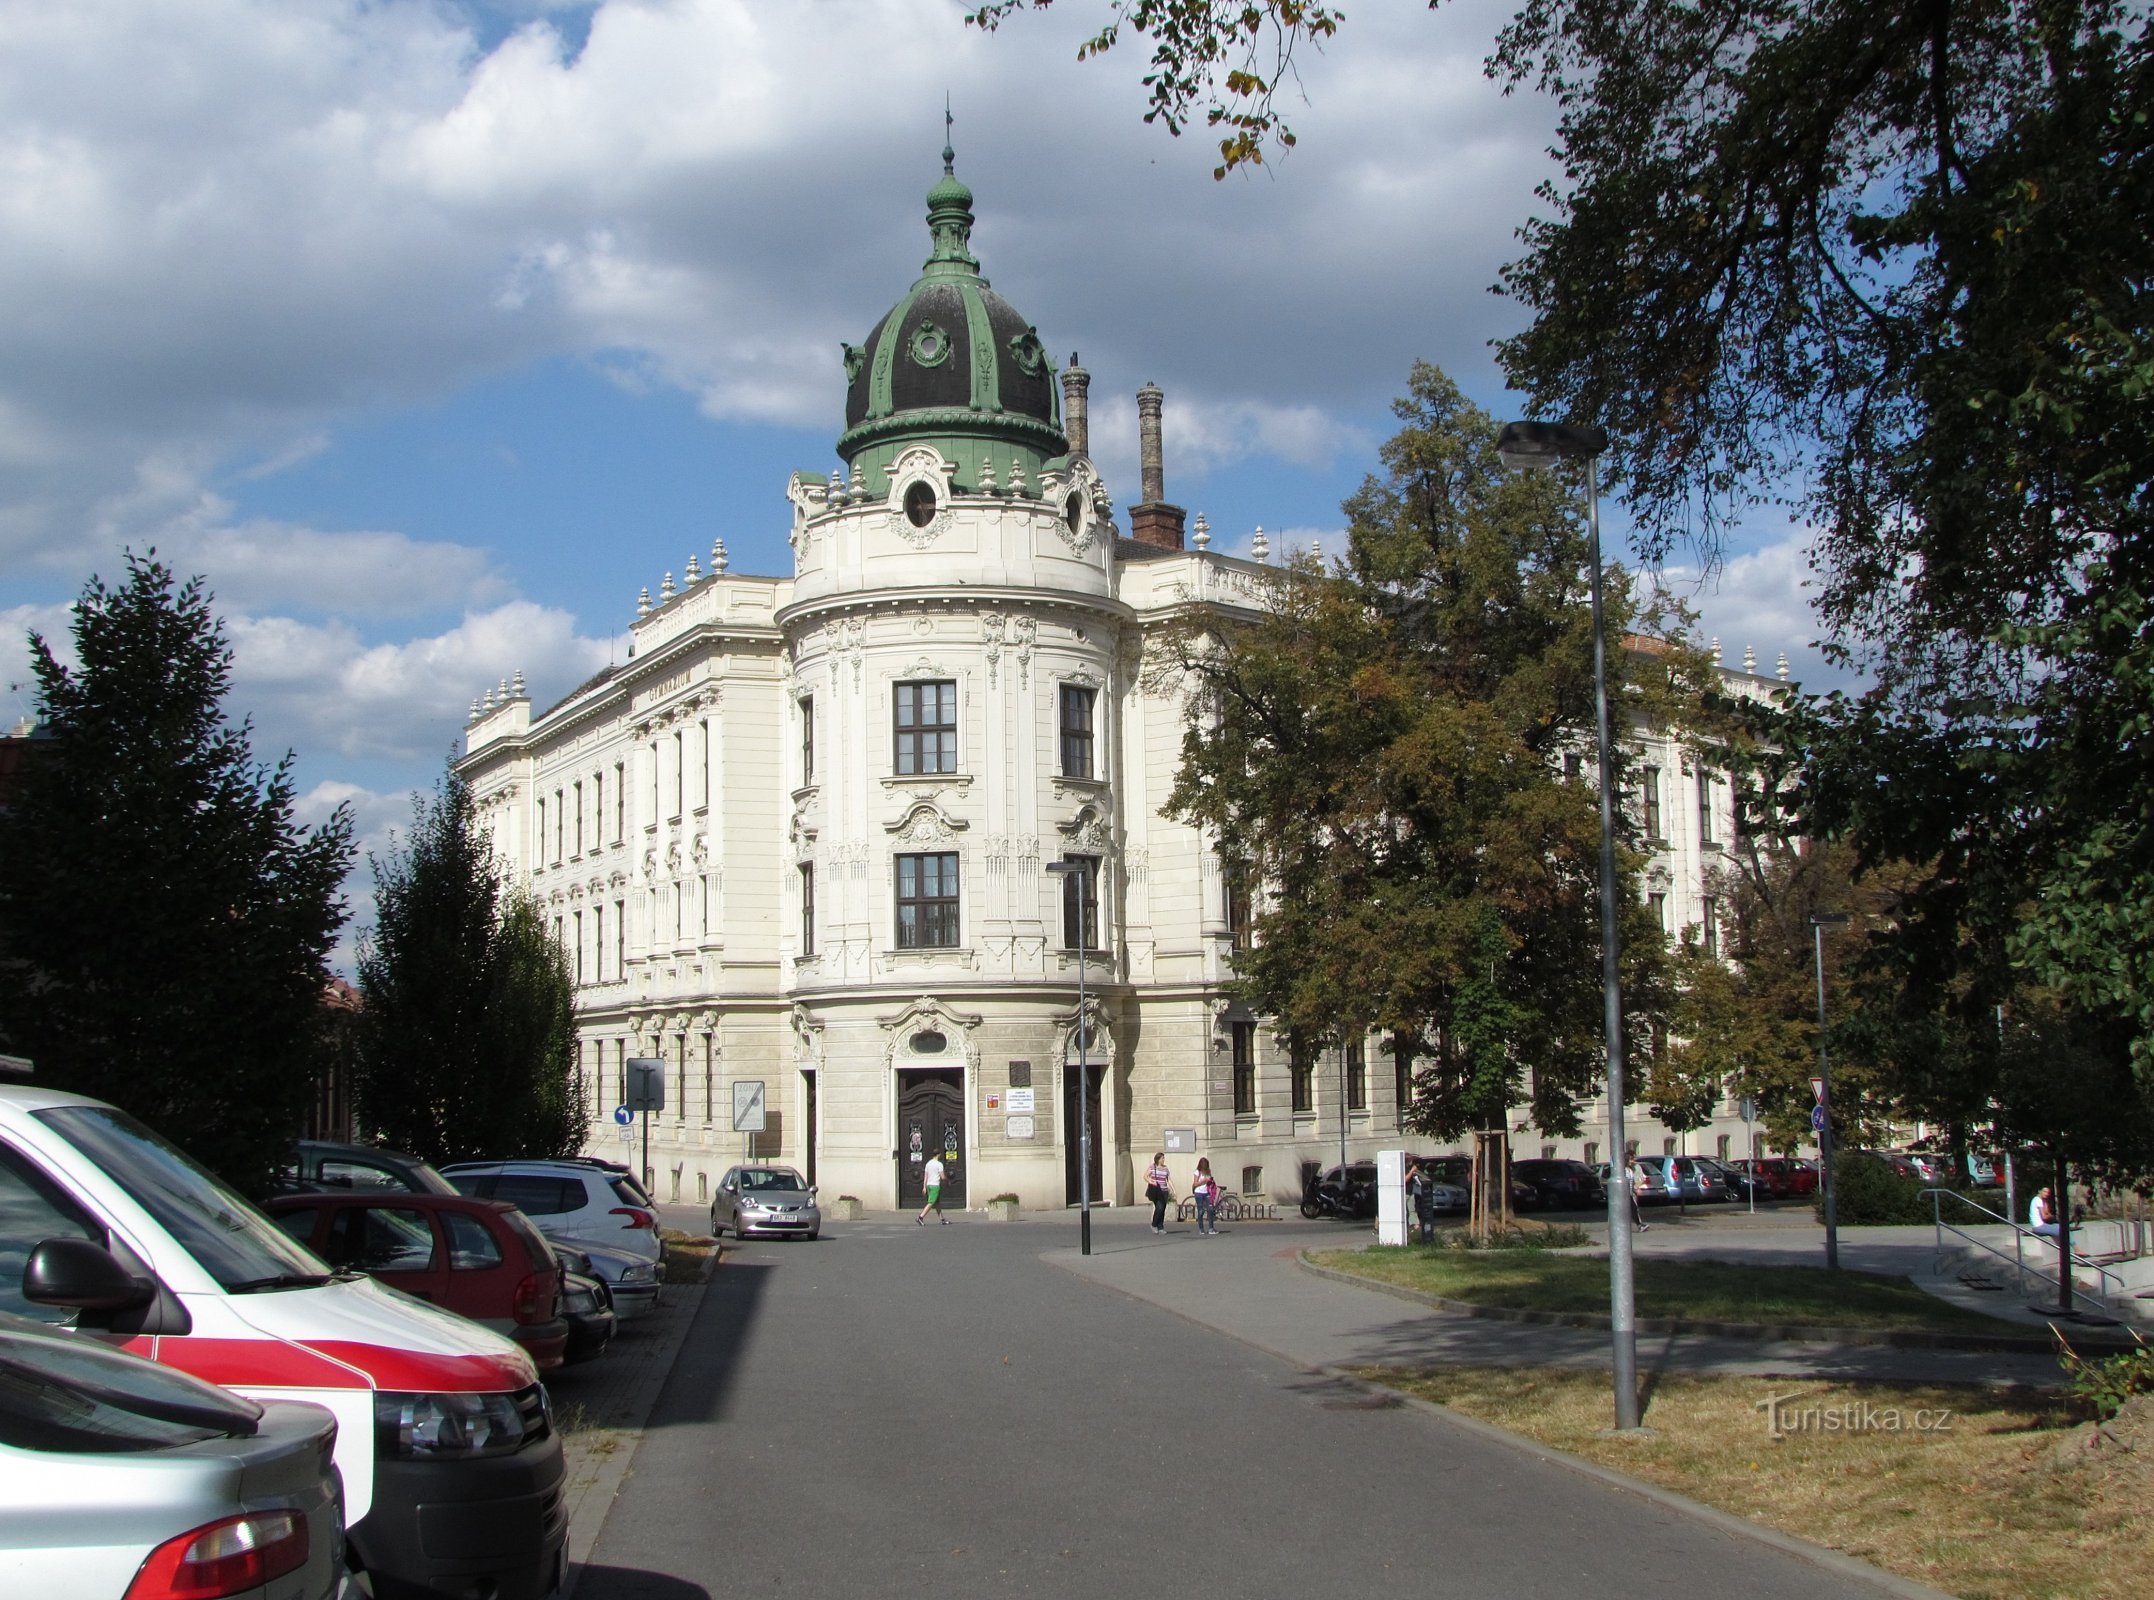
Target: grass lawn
1708,1291
1997,1498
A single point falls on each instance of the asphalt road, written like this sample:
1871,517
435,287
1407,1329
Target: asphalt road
896,1410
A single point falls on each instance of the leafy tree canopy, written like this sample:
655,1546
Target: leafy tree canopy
1385,744
164,922
467,1035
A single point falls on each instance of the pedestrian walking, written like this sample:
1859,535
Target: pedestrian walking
1631,1175
1421,1192
1156,1179
1204,1189
931,1175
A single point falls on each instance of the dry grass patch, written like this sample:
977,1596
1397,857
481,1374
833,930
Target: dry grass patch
1985,1494
689,1256
1702,1291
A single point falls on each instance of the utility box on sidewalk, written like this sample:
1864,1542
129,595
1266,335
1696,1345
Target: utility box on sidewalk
1391,1197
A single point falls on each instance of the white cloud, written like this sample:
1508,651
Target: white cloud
1759,602
257,565
320,688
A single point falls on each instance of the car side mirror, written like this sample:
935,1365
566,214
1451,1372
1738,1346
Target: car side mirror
78,1273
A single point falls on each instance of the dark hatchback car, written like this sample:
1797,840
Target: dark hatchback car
1561,1185
1457,1170
479,1258
318,1165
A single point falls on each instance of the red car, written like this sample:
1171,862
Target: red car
479,1258
1783,1175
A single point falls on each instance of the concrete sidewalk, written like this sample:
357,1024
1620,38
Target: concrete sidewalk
1247,1284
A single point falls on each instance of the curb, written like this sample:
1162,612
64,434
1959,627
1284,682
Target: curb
1763,1332
1842,1565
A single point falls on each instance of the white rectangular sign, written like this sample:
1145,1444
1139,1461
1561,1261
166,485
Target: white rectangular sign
1020,1127
1020,1101
748,1105
1178,1141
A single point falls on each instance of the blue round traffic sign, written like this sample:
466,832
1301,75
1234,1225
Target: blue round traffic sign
1817,1118
623,1115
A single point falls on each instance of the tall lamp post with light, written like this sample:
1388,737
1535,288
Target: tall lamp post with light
1821,1115
1546,445
1079,873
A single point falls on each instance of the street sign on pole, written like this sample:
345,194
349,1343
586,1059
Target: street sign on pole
623,1115
1817,1119
647,1083
748,1105
1749,1109
1817,1090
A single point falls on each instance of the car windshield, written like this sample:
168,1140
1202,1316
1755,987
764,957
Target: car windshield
232,1242
756,1178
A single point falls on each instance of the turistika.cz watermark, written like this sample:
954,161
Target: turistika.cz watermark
1788,1416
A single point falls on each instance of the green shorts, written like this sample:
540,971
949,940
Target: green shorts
934,1194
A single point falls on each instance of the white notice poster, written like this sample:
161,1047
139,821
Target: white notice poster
1020,1127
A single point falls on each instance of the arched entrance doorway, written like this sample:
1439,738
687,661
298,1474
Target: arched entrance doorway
930,1121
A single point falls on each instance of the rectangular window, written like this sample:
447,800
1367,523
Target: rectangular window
1649,801
1721,1146
1234,879
539,855
1301,1074
1573,764
598,809
1657,903
598,941
620,939
927,902
1252,1180
578,960
1244,1036
1710,925
926,728
680,771
1076,725
807,741
1080,905
579,818
620,800
710,1088
560,826
807,908
1357,1077
1402,1081
1705,806
1593,1153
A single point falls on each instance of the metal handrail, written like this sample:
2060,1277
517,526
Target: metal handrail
2018,1257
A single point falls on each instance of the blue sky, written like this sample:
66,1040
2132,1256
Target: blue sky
432,332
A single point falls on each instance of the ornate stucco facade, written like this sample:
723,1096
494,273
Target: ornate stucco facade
800,838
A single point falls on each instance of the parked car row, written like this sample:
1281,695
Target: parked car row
371,1431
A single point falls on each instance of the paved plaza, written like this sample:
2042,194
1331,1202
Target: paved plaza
978,1410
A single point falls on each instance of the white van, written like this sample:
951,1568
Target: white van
452,1472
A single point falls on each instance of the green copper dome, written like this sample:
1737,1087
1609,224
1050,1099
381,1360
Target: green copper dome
953,365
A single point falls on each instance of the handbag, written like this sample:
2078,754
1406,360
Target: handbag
1154,1192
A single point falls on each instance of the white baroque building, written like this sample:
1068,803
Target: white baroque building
800,839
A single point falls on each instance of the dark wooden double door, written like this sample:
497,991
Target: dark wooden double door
931,1122
1071,1141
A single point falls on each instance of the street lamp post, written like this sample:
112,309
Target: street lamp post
1545,444
1819,922
1077,872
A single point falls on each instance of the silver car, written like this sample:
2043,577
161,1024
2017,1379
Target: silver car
765,1199
119,1476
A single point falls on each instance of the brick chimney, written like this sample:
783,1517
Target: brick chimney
1152,521
1076,428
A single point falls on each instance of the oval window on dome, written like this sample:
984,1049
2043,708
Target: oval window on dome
1073,512
929,1043
930,344
920,504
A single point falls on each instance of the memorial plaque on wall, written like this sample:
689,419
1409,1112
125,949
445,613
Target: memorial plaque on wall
1019,1127
1020,1074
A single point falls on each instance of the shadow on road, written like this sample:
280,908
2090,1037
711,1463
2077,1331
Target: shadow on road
632,1583
708,1366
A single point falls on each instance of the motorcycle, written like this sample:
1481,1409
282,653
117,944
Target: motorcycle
1346,1202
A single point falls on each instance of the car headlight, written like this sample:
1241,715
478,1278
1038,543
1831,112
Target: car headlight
441,1427
641,1272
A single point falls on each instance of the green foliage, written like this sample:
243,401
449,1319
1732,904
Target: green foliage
1867,1192
1228,57
2102,1384
1384,745
467,1036
163,922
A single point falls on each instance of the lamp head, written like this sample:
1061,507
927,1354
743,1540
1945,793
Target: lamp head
1543,444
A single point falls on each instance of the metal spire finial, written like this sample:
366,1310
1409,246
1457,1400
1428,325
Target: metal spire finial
949,156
